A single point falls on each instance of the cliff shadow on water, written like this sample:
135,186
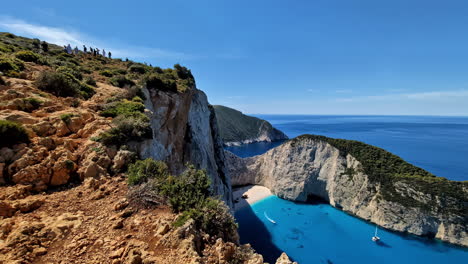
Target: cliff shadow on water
251,228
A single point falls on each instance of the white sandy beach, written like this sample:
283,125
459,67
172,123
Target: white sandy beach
255,193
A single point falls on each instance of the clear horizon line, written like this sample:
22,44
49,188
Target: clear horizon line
358,115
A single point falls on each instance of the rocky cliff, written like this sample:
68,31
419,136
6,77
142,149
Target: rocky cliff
185,130
237,128
399,196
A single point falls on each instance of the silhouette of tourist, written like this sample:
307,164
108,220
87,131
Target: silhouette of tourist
104,53
97,52
110,55
85,49
45,46
76,50
69,49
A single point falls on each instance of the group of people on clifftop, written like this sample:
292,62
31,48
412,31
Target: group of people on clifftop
95,52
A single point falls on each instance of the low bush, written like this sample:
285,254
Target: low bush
6,48
27,55
74,71
63,84
30,104
106,73
121,81
123,107
12,133
127,128
179,80
213,217
8,65
188,190
66,118
89,80
142,170
137,68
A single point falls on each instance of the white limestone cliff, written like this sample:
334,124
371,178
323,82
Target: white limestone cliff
305,168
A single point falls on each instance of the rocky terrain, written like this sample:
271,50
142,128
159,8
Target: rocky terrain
70,126
340,172
237,128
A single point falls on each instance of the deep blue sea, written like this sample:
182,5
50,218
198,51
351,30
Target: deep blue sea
322,234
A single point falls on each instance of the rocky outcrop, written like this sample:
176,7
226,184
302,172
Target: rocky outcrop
185,130
308,167
237,128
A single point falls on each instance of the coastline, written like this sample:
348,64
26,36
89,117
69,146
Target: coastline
255,193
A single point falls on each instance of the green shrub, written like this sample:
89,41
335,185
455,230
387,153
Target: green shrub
142,170
134,127
58,84
106,73
6,48
9,35
30,104
213,217
121,81
70,70
63,84
123,107
178,80
10,65
137,68
27,55
66,118
90,81
188,190
12,133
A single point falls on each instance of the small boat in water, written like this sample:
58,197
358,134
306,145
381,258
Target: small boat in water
269,219
375,238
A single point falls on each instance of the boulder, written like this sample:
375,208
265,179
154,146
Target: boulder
284,259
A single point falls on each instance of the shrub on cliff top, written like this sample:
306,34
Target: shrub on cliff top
121,81
27,55
179,79
10,65
74,71
187,190
135,127
124,107
30,104
142,170
63,84
12,133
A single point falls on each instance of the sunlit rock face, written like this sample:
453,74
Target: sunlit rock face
307,168
185,130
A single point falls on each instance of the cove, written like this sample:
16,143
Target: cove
320,233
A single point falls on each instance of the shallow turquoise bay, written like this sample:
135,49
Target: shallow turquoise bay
322,234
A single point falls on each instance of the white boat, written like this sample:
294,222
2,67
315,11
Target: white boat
375,238
269,219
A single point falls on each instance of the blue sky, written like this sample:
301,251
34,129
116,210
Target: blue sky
398,57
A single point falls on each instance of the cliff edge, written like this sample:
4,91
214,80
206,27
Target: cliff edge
362,180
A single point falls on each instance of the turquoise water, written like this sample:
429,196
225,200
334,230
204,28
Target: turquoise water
323,234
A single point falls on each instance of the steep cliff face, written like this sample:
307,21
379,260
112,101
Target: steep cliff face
237,128
185,130
309,167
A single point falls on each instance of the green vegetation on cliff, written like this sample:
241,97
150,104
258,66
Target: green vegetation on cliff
388,170
188,193
12,133
234,126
